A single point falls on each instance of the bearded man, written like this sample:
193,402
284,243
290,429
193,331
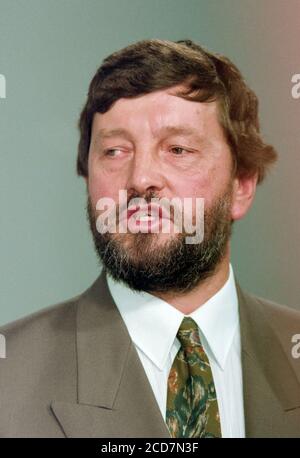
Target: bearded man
165,343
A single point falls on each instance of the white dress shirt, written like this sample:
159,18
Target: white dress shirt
153,323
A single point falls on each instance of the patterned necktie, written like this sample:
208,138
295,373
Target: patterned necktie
192,408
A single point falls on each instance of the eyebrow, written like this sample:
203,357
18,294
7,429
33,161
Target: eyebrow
107,133
166,130
185,130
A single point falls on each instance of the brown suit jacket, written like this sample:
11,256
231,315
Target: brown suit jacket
72,370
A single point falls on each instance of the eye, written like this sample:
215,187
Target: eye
178,150
111,152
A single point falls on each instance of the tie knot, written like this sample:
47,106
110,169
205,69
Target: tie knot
188,333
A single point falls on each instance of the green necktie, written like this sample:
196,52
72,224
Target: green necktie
192,408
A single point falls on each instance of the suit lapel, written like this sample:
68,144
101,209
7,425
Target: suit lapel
271,388
115,398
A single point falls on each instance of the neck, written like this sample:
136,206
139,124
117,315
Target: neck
190,301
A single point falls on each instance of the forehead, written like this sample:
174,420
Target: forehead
160,112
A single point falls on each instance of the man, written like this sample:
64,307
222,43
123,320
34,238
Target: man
165,343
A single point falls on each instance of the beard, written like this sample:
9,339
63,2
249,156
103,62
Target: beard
143,263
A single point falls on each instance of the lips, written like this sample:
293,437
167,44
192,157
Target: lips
150,209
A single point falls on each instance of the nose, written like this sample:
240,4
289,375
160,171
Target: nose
145,173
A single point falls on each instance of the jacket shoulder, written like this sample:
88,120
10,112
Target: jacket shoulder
35,342
276,313
49,325
283,322
44,317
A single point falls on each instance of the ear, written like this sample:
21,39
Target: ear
243,195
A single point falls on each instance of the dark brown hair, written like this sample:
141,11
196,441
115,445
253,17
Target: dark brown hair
152,65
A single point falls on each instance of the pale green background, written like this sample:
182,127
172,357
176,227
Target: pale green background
49,50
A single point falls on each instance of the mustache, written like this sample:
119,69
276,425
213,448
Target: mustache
153,205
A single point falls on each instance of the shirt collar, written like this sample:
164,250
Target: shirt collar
153,323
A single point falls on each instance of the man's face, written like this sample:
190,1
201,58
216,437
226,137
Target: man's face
160,145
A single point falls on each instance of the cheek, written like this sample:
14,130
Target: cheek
209,184
100,185
198,185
